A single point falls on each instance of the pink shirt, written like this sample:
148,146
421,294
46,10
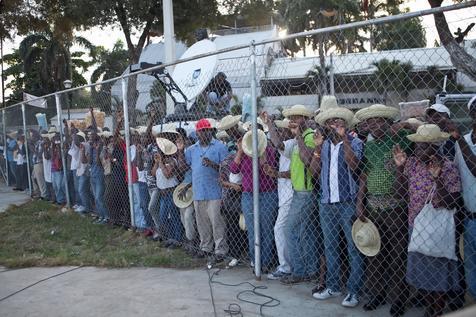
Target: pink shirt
420,182
266,183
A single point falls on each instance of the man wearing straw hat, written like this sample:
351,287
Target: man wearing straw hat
204,158
301,229
336,160
386,268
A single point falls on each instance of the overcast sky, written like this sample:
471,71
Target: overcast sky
461,18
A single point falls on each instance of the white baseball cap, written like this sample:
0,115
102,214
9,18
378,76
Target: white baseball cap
438,107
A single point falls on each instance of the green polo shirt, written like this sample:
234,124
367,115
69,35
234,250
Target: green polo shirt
301,177
378,153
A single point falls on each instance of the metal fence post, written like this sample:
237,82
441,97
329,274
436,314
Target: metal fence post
26,147
254,118
5,147
63,158
128,151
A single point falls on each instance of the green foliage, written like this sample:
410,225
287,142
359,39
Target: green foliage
40,234
400,35
393,76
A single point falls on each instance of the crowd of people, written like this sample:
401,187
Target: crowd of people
345,199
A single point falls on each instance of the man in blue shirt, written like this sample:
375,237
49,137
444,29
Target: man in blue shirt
204,158
338,156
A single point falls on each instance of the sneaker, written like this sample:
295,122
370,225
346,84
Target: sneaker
291,279
318,289
75,206
326,294
351,300
80,209
277,275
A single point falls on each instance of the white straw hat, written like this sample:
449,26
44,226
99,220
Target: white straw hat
228,122
298,110
414,122
366,237
166,146
339,112
328,102
284,124
247,143
438,107
141,130
221,135
247,125
242,222
187,200
106,134
164,128
428,133
81,134
377,111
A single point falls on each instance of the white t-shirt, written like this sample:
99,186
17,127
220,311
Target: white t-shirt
285,187
334,173
163,182
468,181
46,169
75,156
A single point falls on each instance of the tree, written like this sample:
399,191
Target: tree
45,55
399,35
110,63
464,62
393,76
249,12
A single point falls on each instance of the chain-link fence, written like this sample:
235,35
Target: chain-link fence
353,169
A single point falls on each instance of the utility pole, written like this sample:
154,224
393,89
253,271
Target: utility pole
169,42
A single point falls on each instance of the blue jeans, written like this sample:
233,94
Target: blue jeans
268,211
304,234
58,186
77,200
470,255
97,185
170,224
139,220
71,188
144,203
335,217
84,192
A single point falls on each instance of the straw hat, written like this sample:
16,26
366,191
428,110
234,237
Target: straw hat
221,135
247,143
106,134
187,199
228,122
81,134
141,130
366,237
428,133
414,122
283,124
297,110
354,122
247,125
164,128
52,129
438,107
48,135
377,111
242,223
339,112
328,102
166,146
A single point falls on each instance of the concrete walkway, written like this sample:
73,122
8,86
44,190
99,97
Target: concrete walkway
93,291
10,197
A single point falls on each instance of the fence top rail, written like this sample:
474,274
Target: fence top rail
359,24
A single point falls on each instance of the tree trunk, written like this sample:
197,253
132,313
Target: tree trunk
463,62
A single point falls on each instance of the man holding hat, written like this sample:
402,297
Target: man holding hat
386,268
465,159
204,158
337,160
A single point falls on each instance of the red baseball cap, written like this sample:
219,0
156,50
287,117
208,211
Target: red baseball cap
203,124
